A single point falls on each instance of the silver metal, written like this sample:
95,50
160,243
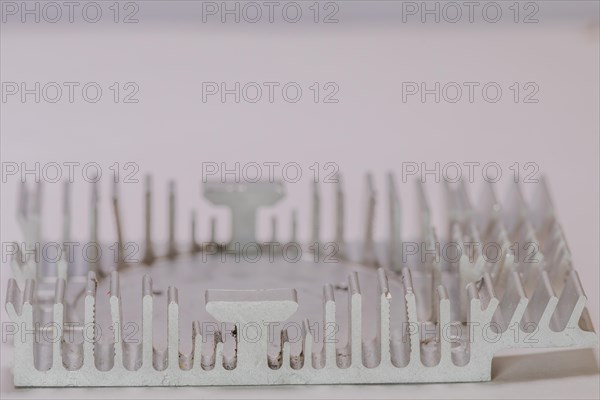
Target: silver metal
172,245
118,224
149,255
213,316
243,200
316,214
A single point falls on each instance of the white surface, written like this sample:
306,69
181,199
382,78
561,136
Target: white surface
170,132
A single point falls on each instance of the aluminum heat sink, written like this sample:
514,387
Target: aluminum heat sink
285,313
